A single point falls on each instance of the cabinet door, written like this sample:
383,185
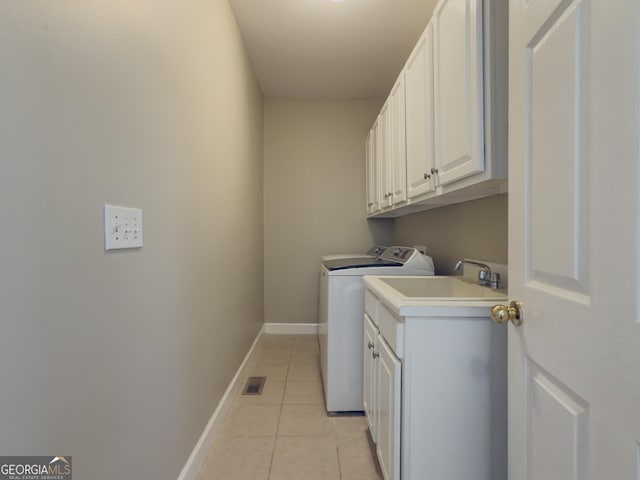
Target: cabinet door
383,155
419,116
369,374
398,156
388,406
458,87
373,188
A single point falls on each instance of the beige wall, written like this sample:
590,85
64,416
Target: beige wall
119,359
314,199
476,229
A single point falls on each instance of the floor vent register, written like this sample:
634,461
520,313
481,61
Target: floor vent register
254,386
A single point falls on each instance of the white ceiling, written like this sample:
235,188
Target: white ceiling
324,49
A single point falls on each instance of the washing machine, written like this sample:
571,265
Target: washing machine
374,251
341,312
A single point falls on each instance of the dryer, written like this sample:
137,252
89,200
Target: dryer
341,312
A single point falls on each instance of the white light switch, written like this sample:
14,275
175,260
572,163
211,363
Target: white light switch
122,227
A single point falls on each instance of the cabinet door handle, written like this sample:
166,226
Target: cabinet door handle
375,354
427,176
434,171
370,345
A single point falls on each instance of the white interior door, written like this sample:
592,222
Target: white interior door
574,363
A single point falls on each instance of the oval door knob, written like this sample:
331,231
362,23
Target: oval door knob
502,313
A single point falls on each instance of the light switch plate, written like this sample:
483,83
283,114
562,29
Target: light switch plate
122,227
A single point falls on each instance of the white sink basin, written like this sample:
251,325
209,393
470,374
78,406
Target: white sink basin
441,288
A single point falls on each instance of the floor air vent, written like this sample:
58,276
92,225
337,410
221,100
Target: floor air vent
254,386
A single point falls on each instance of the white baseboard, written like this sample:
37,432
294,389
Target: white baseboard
291,328
199,454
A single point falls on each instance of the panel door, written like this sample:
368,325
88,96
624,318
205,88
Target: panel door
369,374
373,178
458,87
398,155
574,363
388,406
383,146
419,116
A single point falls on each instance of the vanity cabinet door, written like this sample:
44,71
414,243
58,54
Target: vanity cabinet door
369,376
388,406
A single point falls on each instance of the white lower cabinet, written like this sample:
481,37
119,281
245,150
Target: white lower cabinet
382,377
388,406
382,399
436,392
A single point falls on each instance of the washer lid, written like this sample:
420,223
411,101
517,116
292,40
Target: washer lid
364,262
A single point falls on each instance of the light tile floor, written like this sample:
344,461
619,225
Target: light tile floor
285,433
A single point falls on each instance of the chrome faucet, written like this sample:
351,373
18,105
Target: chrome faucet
485,277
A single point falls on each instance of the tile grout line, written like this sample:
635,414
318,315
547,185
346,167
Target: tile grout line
335,433
275,440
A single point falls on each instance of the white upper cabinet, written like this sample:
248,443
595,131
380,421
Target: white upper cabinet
450,107
458,89
373,189
419,116
390,152
397,144
383,156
